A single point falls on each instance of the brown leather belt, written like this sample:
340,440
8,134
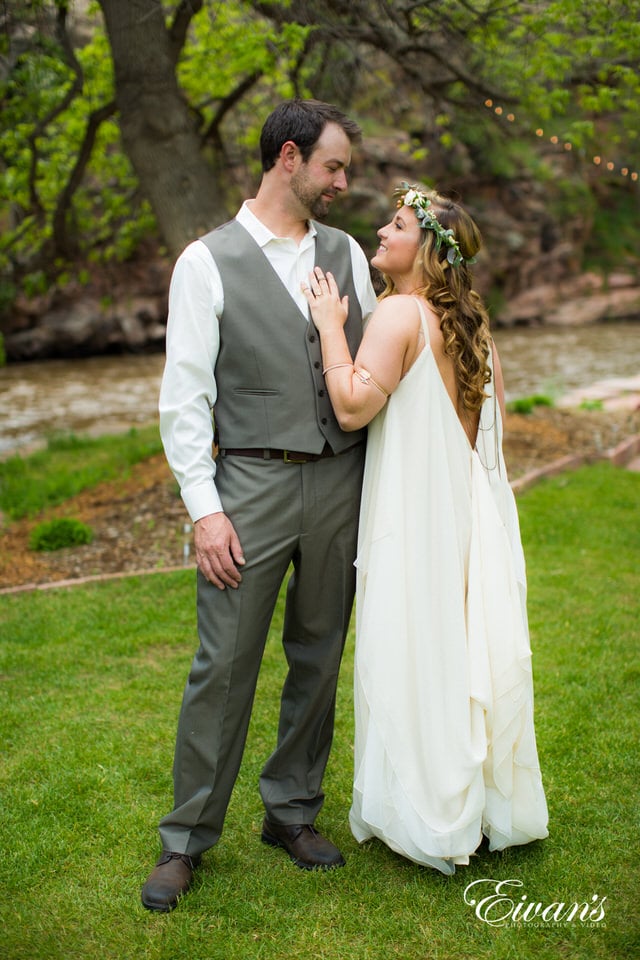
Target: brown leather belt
289,456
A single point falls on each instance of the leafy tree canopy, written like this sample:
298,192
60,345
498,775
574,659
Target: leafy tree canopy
470,78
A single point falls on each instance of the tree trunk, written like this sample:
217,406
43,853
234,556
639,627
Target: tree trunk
157,129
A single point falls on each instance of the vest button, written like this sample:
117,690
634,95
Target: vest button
323,420
317,365
312,338
321,393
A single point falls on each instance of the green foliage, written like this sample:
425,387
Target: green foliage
59,533
3,352
570,198
39,147
569,60
68,465
108,215
227,44
496,156
613,239
526,405
567,68
39,156
86,774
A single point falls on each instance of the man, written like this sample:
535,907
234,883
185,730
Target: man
283,492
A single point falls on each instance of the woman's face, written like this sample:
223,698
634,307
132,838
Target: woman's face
399,244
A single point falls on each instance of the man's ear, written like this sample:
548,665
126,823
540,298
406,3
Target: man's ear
289,153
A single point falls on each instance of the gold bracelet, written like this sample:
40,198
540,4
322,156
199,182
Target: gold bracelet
365,377
334,366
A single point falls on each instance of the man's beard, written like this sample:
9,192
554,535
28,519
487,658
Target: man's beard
304,191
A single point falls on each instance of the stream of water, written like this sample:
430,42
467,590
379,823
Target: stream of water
106,394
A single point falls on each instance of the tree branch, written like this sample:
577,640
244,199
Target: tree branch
186,11
212,132
393,32
61,239
74,90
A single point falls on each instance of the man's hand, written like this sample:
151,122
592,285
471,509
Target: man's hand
218,550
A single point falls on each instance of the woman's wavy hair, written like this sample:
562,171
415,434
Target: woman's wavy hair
464,320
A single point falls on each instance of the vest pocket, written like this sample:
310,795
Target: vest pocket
256,391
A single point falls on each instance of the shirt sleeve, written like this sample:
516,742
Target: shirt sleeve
362,280
188,388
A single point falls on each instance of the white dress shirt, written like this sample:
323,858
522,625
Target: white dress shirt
188,390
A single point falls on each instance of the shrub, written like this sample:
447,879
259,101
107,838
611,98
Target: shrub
526,404
56,534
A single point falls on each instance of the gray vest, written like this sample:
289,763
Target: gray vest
271,392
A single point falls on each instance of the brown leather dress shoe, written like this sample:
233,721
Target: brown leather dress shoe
307,848
170,878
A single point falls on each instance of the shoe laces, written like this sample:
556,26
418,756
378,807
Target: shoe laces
168,855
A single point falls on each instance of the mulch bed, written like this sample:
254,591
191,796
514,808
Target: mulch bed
138,521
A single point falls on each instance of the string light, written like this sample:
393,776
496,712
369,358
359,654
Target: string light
567,145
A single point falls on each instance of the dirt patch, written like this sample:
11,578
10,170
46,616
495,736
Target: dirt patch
138,520
549,433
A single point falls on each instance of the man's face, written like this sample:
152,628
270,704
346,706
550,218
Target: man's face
316,183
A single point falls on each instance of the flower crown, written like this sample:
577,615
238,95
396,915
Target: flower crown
414,198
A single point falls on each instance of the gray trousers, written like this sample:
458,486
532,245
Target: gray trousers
303,516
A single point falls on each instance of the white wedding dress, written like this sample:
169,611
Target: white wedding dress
445,746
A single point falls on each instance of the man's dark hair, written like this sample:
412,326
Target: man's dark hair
301,121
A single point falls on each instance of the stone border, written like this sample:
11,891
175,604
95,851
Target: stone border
94,578
625,452
619,456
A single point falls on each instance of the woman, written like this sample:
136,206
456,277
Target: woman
445,747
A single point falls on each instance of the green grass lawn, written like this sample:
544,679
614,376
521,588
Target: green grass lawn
90,684
68,464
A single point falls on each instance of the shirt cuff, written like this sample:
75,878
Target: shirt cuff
202,500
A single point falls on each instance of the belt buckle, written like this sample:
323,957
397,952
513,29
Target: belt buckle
288,459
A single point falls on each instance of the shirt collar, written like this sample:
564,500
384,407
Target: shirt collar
261,234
